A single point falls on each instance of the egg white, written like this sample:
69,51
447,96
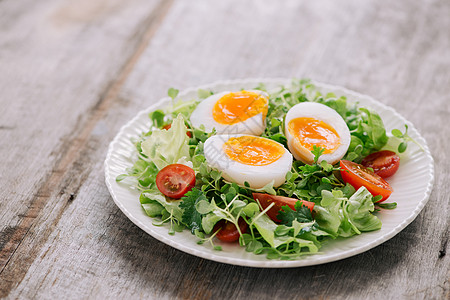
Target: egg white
323,113
233,171
203,115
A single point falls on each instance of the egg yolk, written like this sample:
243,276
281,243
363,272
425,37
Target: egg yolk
254,151
310,132
238,107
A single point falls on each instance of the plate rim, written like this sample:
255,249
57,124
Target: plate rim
268,263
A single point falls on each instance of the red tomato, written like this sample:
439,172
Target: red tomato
175,180
384,163
228,231
168,126
357,175
265,200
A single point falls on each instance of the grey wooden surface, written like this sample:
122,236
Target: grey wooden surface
73,72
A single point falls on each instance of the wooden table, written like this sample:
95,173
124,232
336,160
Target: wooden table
73,72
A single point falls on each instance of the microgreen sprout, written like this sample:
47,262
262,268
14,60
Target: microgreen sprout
175,225
172,93
210,239
390,205
405,138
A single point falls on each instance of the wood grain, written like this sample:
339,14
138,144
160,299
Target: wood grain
72,74
54,184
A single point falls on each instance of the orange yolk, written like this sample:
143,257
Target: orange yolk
310,132
252,150
238,107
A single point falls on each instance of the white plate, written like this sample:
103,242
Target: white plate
412,186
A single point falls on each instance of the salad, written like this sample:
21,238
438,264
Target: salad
318,199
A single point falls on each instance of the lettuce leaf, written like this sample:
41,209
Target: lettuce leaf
150,200
359,208
344,217
267,228
165,147
329,214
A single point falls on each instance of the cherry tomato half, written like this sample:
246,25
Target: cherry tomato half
168,126
175,180
265,200
357,175
384,163
228,231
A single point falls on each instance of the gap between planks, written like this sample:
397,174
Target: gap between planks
72,149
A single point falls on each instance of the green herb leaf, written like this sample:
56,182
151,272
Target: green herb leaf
391,205
173,93
157,118
282,230
317,152
397,133
121,177
402,147
153,209
191,217
204,207
376,198
301,214
250,209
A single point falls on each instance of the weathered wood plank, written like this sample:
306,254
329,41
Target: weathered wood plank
43,177
83,246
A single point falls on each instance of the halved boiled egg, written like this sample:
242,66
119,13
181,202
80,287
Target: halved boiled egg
233,112
246,158
308,124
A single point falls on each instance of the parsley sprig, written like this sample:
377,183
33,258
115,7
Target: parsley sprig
301,214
